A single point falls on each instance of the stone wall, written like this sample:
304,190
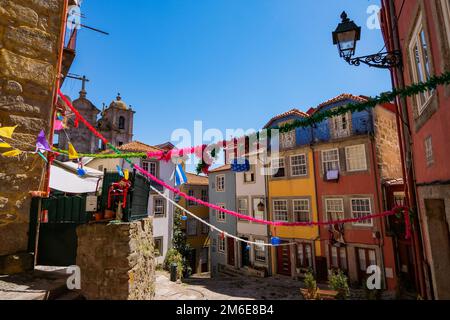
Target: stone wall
387,144
29,50
117,261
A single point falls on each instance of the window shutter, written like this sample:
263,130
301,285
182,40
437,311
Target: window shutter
342,160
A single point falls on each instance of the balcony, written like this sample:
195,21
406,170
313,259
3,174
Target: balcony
256,229
69,51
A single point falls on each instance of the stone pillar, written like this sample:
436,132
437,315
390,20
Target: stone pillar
30,37
117,261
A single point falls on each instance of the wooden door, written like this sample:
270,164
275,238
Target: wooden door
366,258
230,252
284,260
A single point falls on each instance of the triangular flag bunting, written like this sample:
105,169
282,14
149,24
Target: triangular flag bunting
7,132
126,175
42,143
4,145
73,154
13,153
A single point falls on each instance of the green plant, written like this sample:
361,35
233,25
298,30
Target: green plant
311,286
180,243
339,283
173,256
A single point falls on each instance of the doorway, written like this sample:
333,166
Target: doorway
284,260
230,252
245,254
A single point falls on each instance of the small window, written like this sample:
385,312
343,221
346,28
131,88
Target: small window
159,207
356,158
100,168
330,160
243,206
150,167
191,194
260,251
122,123
221,216
120,143
259,208
158,246
249,176
220,183
301,210
287,140
429,151
360,209
205,195
341,126
299,167
338,258
445,4
304,255
420,62
280,210
335,209
278,168
191,227
56,140
221,244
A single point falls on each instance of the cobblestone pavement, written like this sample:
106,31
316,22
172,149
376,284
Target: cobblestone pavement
201,287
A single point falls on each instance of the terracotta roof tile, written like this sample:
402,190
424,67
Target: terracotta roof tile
196,180
137,146
294,112
222,168
344,96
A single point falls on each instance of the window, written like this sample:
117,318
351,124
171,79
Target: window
150,167
280,210
301,210
335,209
158,246
122,123
360,209
249,177
159,207
304,255
356,158
366,258
399,199
420,62
191,194
429,151
243,206
220,183
260,251
205,228
278,168
299,167
191,227
259,208
100,168
205,195
56,140
221,215
445,4
341,126
330,160
221,244
287,139
120,143
338,258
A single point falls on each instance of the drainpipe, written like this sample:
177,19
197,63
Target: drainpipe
406,145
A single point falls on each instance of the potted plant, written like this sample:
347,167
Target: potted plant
311,290
339,283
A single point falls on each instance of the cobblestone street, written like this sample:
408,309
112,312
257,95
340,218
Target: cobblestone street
201,287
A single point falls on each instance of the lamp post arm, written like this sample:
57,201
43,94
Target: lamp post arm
382,60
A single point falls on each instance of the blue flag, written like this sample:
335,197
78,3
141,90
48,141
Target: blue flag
180,176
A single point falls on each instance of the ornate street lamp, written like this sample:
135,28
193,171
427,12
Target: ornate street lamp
346,36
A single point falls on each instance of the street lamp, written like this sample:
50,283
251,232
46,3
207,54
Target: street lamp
347,34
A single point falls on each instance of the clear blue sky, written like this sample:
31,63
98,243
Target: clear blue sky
229,63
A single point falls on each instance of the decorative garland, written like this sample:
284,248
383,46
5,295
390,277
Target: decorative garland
132,155
395,211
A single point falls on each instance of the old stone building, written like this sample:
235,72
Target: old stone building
31,39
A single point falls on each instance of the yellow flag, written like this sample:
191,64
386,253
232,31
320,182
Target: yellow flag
11,154
73,154
126,174
4,145
7,132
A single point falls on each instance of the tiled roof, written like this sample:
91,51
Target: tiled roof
222,168
292,112
342,97
137,146
196,180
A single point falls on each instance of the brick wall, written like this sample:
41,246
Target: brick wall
29,49
117,261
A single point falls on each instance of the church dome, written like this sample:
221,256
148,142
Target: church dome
118,103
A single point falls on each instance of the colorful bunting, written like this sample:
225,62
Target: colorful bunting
42,143
4,145
126,174
73,154
59,125
120,171
12,154
7,132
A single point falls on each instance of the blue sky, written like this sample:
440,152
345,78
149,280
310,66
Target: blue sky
228,63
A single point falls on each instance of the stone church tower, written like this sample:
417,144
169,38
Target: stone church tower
81,138
116,123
